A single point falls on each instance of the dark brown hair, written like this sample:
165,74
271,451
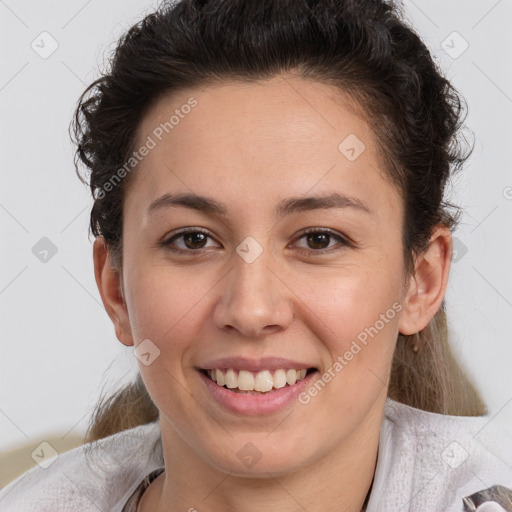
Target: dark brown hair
365,48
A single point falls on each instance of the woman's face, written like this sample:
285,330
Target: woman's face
251,284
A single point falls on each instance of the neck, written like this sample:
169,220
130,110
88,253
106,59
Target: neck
340,481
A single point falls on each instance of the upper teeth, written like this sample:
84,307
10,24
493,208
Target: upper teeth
262,381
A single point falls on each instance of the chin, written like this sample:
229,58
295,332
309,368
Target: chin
251,462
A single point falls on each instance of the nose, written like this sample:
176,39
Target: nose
254,299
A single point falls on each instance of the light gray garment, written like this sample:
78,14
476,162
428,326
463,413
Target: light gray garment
427,463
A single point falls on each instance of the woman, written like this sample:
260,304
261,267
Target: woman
272,238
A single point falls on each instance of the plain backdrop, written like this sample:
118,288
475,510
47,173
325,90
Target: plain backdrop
58,346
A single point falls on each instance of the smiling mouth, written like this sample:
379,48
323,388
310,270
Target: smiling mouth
256,383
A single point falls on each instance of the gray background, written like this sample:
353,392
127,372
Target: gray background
58,346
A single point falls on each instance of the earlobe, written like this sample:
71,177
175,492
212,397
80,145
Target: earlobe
109,285
427,286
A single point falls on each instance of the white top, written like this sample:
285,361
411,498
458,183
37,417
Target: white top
427,463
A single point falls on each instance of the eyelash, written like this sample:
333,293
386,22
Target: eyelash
324,231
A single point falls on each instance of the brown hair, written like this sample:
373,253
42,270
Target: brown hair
363,47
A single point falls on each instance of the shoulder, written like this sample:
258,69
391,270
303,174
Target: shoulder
95,476
430,461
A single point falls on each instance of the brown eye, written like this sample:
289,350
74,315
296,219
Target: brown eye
187,241
318,240
194,240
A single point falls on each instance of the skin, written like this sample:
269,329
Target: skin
244,145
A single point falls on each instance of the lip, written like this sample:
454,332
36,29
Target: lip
253,365
266,404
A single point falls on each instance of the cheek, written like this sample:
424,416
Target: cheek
167,306
351,298
355,312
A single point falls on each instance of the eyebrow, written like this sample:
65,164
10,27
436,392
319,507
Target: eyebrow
285,207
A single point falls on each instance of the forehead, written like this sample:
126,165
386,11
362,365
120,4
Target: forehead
259,140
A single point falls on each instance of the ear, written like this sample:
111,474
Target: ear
428,283
109,285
